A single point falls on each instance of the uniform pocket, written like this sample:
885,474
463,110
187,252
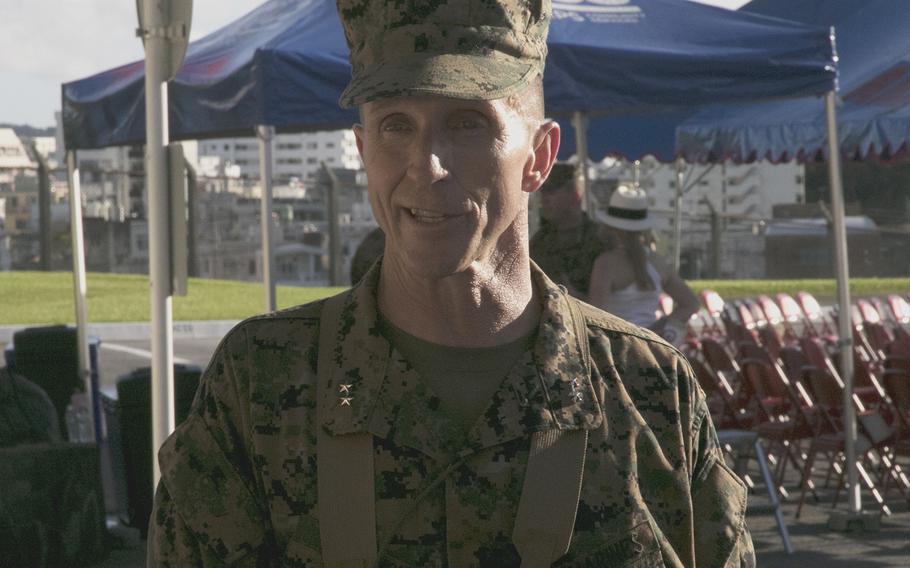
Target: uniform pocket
635,547
719,503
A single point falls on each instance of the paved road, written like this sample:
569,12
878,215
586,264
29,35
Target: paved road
118,357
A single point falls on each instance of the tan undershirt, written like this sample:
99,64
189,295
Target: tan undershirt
463,378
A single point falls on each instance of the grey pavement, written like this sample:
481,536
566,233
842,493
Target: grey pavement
126,346
814,545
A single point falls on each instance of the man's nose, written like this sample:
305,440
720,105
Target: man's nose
429,159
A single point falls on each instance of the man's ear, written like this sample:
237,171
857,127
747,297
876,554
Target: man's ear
358,138
542,156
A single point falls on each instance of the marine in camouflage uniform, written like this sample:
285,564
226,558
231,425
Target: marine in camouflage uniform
239,475
567,242
241,478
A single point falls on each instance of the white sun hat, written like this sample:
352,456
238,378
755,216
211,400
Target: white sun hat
628,210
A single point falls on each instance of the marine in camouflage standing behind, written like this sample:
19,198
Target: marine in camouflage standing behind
453,140
567,242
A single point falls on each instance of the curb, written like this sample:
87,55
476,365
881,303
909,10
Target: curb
135,331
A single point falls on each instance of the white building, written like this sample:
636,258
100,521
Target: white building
13,155
297,155
746,191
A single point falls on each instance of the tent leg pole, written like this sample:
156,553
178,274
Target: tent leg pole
580,124
677,214
156,104
845,329
266,134
79,283
333,193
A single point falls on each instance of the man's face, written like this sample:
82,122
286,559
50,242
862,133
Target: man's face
447,180
559,204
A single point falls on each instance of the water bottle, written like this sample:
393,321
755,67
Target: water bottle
83,426
72,425
78,420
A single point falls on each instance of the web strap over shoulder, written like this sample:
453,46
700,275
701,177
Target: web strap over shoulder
546,513
549,497
344,469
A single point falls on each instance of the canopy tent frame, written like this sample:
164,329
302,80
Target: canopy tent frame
845,326
266,136
80,287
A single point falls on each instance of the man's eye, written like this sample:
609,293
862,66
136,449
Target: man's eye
394,128
469,122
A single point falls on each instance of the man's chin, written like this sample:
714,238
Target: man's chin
430,266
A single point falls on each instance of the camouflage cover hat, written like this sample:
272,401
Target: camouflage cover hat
469,49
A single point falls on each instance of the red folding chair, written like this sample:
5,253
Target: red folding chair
775,317
819,324
897,385
865,384
874,434
714,307
722,364
900,309
873,327
900,346
793,314
722,402
787,413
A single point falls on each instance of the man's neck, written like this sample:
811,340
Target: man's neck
489,304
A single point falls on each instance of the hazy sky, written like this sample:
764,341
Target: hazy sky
44,43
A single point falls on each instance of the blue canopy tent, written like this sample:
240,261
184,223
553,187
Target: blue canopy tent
660,63
874,85
285,63
872,121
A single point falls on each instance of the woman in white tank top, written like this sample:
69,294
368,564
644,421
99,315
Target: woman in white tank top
627,279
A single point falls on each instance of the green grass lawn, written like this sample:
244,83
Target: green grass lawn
823,289
47,297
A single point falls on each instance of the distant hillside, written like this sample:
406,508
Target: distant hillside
29,131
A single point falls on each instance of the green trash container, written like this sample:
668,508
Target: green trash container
49,357
134,400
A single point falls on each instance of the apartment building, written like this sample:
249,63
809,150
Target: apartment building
297,155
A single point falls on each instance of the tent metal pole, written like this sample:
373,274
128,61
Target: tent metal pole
677,213
333,195
192,197
580,124
44,209
845,326
79,284
156,132
266,135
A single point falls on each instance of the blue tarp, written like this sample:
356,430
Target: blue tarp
873,44
285,64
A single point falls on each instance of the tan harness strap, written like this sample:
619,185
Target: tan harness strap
345,483
549,497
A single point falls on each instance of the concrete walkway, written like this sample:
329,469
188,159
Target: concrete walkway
130,331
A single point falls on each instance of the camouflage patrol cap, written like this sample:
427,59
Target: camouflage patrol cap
468,49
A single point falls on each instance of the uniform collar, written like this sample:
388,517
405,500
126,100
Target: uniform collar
546,390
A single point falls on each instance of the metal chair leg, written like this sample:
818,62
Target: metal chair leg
772,495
